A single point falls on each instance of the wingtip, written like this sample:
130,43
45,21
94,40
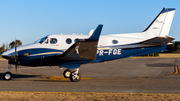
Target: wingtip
96,33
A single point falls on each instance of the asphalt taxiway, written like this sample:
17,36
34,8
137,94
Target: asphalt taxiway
131,75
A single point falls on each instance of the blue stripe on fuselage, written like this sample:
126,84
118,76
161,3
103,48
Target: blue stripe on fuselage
102,55
37,51
117,53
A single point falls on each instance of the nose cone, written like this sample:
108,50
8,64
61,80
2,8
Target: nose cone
8,53
4,55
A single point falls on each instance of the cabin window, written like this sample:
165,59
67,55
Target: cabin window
114,41
68,41
76,40
53,40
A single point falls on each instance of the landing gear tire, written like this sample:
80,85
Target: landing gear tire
75,77
67,73
8,76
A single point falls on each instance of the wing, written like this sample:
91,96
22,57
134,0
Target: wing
83,49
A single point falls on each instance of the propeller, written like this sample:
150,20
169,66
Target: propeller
16,55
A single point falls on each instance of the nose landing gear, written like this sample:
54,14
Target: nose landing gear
8,74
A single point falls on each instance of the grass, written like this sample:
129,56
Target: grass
85,96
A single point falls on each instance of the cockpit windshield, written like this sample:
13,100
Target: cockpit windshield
41,40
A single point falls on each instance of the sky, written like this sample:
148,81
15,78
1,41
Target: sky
30,20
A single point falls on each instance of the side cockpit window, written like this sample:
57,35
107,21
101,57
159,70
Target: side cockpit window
53,40
46,41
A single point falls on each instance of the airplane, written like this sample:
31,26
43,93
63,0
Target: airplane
72,51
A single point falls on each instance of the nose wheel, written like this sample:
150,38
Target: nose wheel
8,76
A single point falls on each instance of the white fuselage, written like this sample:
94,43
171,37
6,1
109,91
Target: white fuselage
158,28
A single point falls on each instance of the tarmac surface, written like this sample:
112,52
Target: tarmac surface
131,75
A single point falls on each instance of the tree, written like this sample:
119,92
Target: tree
17,42
3,48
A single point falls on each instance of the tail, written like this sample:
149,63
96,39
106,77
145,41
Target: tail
160,26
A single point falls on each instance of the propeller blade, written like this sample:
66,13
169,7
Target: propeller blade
16,55
16,68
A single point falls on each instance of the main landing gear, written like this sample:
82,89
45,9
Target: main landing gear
74,75
8,74
67,73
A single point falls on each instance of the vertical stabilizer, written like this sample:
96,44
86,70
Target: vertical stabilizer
160,26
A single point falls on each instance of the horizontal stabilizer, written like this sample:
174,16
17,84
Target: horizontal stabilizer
158,41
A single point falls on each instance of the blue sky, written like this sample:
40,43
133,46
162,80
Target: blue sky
29,20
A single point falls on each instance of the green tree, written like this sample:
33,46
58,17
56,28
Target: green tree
17,42
3,48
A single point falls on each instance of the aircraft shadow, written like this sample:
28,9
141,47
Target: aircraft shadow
160,65
52,80
17,76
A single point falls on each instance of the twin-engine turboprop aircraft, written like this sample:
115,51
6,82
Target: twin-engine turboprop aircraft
71,51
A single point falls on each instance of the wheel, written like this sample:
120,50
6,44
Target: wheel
75,78
8,76
67,73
